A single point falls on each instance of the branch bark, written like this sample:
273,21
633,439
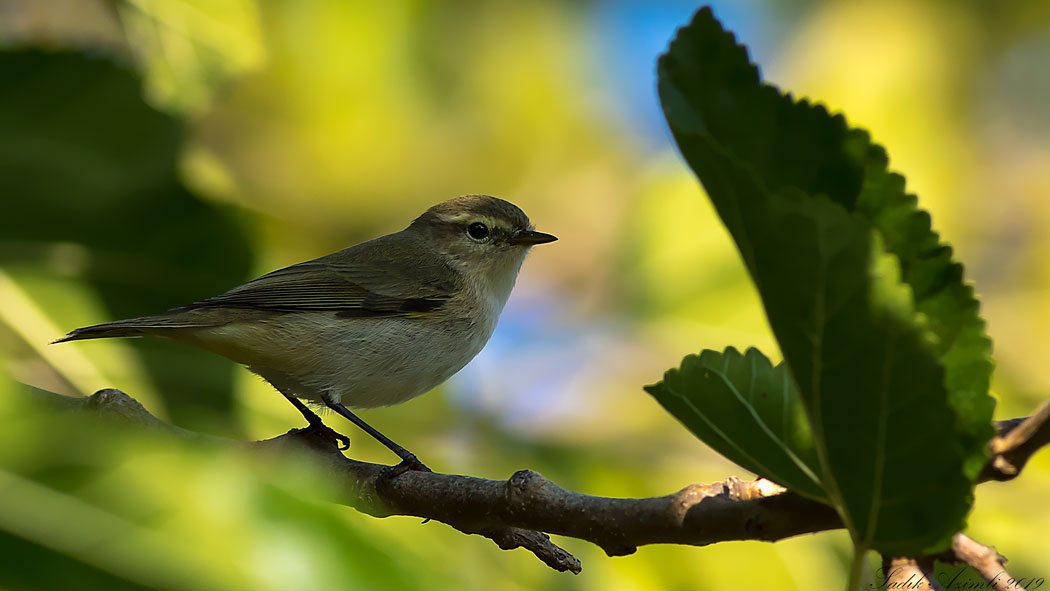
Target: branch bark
1017,440
521,510
918,573
983,559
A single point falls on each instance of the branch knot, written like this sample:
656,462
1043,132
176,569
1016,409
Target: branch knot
523,488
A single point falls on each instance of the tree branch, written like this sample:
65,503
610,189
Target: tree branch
1017,440
918,573
520,511
983,559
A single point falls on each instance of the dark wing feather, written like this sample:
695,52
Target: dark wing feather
358,281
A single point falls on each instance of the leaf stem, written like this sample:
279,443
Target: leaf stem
859,572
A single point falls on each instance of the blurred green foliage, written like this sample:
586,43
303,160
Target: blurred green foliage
90,172
95,504
295,129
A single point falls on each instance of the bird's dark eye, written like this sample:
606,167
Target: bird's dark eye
478,231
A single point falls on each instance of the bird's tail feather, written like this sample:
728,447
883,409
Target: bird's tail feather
134,327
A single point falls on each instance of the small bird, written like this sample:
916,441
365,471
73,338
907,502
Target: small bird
371,325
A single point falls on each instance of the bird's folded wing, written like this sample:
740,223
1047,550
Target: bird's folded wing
351,290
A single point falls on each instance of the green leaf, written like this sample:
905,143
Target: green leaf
747,410
881,335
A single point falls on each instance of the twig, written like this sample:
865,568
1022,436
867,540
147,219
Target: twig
918,573
983,559
1017,440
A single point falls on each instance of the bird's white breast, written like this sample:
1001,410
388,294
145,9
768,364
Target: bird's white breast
362,362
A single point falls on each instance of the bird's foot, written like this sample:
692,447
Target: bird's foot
342,441
319,428
408,462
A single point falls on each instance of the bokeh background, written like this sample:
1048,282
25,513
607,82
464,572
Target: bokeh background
154,152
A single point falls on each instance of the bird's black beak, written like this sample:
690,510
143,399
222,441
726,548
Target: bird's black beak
531,238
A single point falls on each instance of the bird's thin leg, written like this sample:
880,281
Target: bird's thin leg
408,460
314,420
